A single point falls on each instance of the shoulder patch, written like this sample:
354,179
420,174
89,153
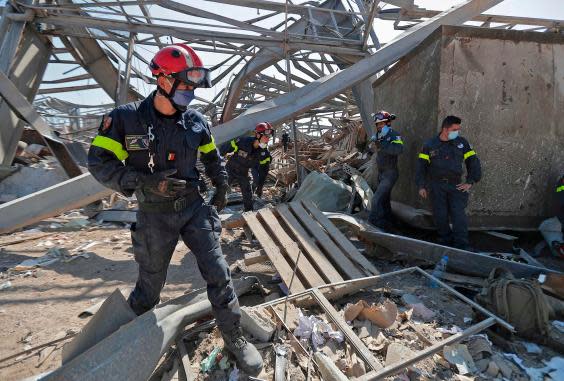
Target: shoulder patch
197,127
460,145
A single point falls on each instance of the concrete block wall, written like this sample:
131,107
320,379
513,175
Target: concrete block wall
508,87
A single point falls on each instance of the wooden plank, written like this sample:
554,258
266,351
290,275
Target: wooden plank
255,257
342,241
320,261
353,339
341,261
273,253
187,375
309,275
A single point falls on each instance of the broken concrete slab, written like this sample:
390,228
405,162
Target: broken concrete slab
328,369
258,323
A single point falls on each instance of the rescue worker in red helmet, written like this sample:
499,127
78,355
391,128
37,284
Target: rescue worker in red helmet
150,148
389,145
248,153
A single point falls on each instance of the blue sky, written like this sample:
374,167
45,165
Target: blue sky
553,9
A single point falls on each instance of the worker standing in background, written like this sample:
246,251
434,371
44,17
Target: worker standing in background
248,153
439,171
150,148
285,140
389,146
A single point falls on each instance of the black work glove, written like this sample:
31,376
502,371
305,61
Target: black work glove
219,199
258,191
162,184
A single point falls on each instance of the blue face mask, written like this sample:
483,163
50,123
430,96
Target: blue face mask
183,97
452,135
384,131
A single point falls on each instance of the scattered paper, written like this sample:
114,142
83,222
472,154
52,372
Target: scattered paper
311,327
554,368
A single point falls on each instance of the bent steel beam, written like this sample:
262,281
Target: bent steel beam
269,56
306,97
84,189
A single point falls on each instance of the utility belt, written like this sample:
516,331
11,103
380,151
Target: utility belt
449,179
171,206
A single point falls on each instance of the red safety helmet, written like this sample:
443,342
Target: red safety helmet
383,116
181,62
264,128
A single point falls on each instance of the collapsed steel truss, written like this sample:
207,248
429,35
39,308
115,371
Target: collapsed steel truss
307,61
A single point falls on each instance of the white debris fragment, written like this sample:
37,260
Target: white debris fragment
531,347
311,327
5,285
559,325
453,330
554,368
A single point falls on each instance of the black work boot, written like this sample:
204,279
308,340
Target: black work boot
248,357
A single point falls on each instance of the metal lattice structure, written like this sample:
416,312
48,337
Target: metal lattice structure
275,61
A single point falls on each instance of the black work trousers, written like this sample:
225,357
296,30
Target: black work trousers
381,212
237,175
449,205
155,236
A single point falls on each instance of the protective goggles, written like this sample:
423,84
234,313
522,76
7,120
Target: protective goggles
194,76
267,132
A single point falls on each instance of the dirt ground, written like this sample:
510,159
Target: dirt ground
44,304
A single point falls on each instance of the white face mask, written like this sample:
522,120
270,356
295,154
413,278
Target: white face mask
262,145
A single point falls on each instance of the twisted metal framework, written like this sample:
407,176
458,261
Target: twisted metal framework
107,46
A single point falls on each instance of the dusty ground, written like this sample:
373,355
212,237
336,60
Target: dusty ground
45,305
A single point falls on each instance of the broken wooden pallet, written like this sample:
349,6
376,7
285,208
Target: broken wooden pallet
298,236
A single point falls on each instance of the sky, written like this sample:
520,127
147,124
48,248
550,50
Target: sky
553,9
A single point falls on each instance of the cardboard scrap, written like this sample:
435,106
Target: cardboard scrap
383,315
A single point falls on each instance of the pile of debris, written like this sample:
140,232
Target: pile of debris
342,143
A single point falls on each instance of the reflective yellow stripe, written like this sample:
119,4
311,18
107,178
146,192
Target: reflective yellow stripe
207,147
468,154
110,145
560,189
267,160
424,157
397,141
234,145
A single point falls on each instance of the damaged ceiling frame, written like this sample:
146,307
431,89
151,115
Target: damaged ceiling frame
320,96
